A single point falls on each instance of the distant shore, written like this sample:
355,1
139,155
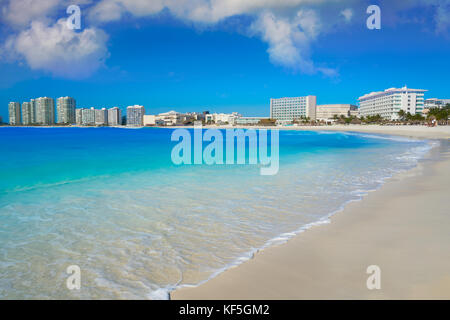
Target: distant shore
402,228
416,131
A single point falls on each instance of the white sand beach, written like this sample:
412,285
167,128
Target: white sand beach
404,228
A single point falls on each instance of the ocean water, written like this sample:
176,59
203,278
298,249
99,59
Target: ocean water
111,201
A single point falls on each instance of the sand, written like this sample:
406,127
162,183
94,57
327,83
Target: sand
404,228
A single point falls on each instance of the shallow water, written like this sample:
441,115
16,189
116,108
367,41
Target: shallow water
112,202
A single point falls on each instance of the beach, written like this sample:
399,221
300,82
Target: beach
402,228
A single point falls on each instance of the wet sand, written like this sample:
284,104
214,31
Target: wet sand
404,228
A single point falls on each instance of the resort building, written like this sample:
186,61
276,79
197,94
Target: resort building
27,113
65,110
14,113
101,117
249,120
222,118
149,120
290,109
435,103
389,102
330,111
45,111
135,115
78,116
88,117
114,116
170,118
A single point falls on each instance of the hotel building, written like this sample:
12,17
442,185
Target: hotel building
329,111
88,117
14,113
435,103
101,117
389,102
135,115
114,116
45,111
27,113
250,120
78,116
289,109
33,111
65,109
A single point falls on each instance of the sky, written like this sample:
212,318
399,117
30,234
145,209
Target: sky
219,55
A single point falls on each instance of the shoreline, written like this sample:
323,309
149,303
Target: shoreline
416,131
312,264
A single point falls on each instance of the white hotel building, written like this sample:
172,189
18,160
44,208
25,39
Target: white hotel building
389,102
289,109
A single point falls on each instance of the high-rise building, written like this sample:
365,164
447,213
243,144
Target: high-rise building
389,102
78,116
88,117
65,109
33,111
101,117
114,116
27,113
135,116
45,111
14,113
293,108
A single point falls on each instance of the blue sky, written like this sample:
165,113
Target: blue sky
220,56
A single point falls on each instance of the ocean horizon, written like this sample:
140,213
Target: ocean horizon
112,202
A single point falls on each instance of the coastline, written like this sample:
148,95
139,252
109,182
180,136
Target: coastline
415,131
390,227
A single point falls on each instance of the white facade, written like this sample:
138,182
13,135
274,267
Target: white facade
78,116
249,120
27,113
170,118
101,117
389,102
149,120
223,118
114,116
14,113
45,111
328,111
65,110
435,103
135,115
292,108
88,117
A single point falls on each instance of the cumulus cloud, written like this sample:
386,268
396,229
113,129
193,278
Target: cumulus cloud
289,39
289,27
60,50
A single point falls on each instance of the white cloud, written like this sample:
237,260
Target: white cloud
20,13
289,39
289,27
347,14
60,50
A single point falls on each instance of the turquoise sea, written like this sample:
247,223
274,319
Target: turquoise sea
111,201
